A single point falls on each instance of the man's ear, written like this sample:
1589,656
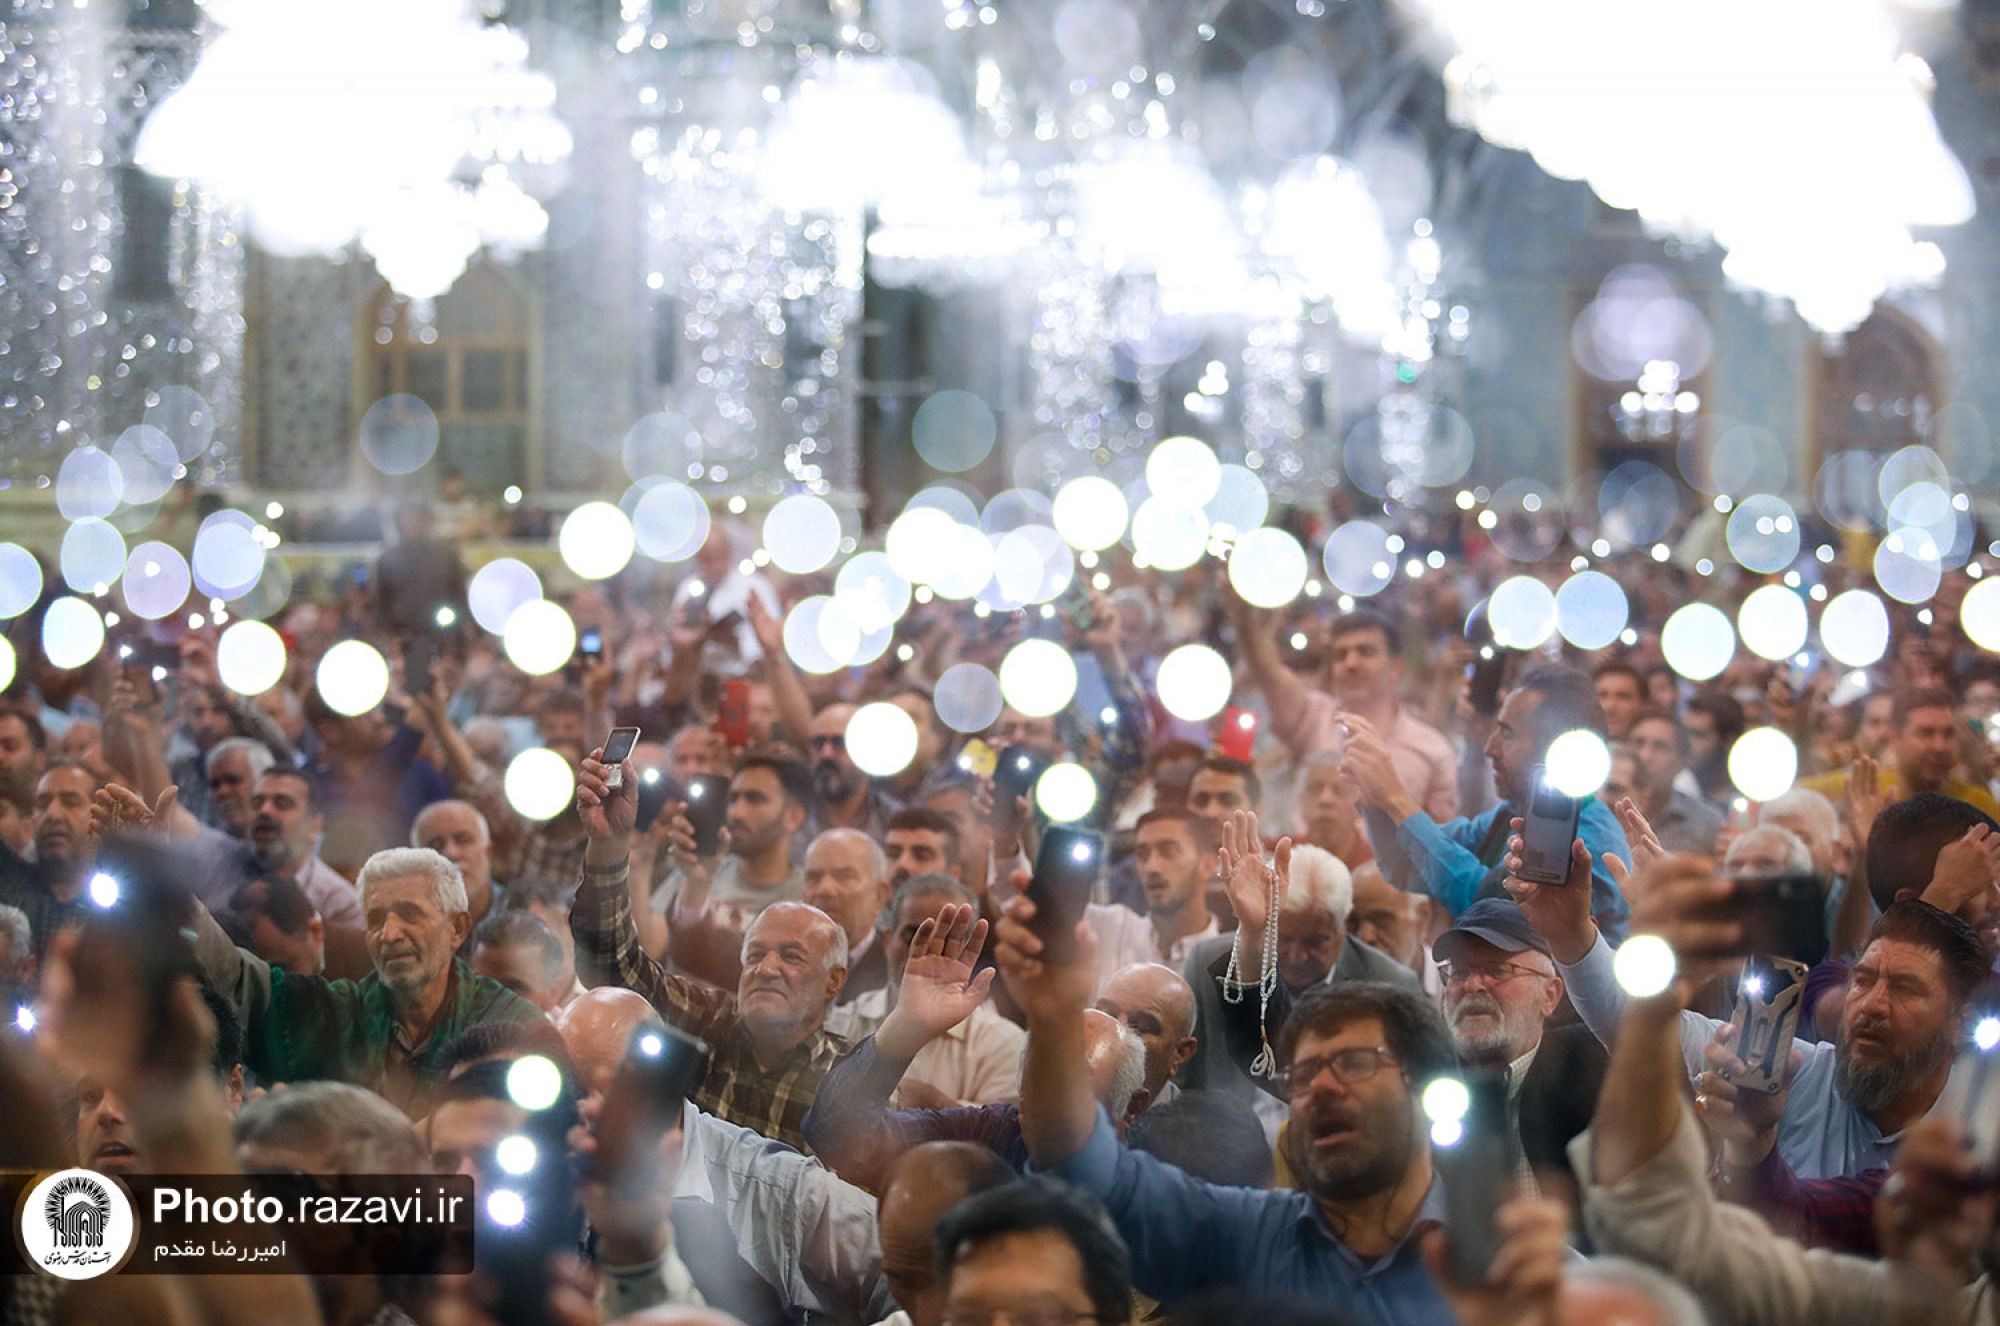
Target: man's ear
834,980
1141,1099
461,926
1183,1052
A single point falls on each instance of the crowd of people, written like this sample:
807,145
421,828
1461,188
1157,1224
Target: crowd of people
914,1099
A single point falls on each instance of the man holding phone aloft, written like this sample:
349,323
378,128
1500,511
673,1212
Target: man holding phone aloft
1459,860
771,1046
1850,1101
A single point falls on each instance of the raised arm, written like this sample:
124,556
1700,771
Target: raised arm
795,709
1285,692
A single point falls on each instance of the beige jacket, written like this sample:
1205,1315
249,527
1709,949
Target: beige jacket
1665,1215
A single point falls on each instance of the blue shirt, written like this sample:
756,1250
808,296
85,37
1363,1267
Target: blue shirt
1821,1136
1187,1236
1459,861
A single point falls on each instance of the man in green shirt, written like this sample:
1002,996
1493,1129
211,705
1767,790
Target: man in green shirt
382,1032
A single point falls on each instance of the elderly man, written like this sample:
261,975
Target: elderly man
233,766
847,877
1157,1006
385,1031
457,831
918,1191
1392,923
1313,949
50,890
763,1230
977,1061
771,1047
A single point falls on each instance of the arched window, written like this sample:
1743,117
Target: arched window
472,363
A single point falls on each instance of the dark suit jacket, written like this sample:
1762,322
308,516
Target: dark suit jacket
869,974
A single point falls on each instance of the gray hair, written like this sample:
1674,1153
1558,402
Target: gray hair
931,884
1798,856
485,729
836,947
255,753
878,861
364,1133
521,929
478,815
1320,882
1131,1074
20,939
1813,808
1670,1300
447,885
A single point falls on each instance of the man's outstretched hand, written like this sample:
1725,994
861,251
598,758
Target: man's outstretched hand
941,984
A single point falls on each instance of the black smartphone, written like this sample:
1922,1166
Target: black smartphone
655,791
1066,869
1766,1018
661,1071
1015,773
1475,1157
525,1215
590,643
618,749
141,894
707,810
1971,1097
419,654
1783,916
1549,827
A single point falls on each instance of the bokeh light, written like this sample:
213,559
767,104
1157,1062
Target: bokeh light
1763,534
352,677
1169,537
1698,641
1193,683
1065,792
871,591
915,541
88,484
8,663
1091,513
21,578
157,581
1854,629
250,657
1578,762
399,434
1038,677
184,417
72,633
146,463
1979,614
954,431
539,637
1183,471
228,557
497,589
1763,763
802,534
820,637
671,522
1268,568
534,1082
1522,613
968,698
1241,501
881,739
1909,566
1358,560
1773,622
539,783
1591,610
596,540
92,557
1644,966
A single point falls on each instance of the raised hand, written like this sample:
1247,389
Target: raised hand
1525,1280
1967,870
767,626
1241,862
1044,990
608,815
1646,848
1933,1213
1745,1122
941,985
1560,913
117,809
1864,799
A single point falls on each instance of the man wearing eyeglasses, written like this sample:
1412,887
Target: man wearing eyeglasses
1500,986
848,798
1355,1057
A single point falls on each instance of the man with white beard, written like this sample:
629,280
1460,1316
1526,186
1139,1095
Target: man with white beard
1500,986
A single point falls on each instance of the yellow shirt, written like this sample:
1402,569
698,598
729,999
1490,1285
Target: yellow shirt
1834,786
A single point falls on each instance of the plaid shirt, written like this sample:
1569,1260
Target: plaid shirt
1837,1213
524,853
771,1099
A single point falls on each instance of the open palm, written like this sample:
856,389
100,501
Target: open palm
941,987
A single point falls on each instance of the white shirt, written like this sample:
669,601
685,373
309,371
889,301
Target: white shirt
800,1227
977,1062
1123,938
731,594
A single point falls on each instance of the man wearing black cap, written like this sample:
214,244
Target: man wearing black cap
1500,987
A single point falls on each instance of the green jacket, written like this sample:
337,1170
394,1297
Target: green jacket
305,1028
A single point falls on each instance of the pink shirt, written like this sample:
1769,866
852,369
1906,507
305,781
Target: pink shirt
1424,760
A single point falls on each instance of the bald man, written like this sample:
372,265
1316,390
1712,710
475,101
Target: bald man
1158,1006
765,1232
847,877
923,1184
